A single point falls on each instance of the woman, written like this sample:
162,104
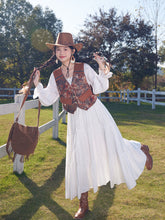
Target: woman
96,152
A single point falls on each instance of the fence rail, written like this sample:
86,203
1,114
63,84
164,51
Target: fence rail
153,97
14,108
11,92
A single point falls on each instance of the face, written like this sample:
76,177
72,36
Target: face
64,53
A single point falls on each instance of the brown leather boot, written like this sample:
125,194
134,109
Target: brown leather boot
83,207
149,161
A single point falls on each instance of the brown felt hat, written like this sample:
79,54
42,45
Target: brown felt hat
65,39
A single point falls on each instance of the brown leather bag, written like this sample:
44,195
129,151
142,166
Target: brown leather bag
23,139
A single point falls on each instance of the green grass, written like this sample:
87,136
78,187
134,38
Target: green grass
39,193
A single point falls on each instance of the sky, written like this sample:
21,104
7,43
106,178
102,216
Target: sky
74,12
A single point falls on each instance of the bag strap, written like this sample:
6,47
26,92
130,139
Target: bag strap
30,83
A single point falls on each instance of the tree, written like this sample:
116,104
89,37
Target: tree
127,44
24,31
139,52
162,52
154,12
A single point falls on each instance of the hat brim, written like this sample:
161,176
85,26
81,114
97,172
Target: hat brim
78,46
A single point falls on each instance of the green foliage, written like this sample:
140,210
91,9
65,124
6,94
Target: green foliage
162,52
161,82
120,82
127,44
148,82
24,31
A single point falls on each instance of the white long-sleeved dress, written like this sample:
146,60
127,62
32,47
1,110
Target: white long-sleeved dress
96,151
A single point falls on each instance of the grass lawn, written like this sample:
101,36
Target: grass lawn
39,193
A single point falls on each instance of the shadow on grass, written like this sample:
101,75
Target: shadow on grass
61,142
41,196
102,204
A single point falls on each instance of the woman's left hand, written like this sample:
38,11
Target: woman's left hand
99,59
103,65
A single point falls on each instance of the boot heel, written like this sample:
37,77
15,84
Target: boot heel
149,161
83,207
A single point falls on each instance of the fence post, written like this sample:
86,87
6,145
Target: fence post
145,95
55,117
127,96
124,95
99,96
17,165
120,96
138,97
64,117
14,91
153,99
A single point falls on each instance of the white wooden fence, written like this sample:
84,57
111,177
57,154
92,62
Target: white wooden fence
8,92
153,97
14,108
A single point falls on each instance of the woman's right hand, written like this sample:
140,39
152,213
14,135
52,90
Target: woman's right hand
36,77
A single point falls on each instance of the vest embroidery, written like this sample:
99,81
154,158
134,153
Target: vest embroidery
78,94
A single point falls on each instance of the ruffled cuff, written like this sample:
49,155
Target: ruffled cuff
105,73
37,90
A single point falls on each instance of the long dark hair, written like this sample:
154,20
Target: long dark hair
47,63
25,87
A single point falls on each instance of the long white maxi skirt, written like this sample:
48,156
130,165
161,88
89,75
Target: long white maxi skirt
97,153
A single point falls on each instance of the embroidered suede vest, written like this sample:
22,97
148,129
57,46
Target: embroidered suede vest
79,93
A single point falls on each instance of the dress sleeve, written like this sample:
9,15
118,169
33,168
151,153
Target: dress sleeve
99,82
48,95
